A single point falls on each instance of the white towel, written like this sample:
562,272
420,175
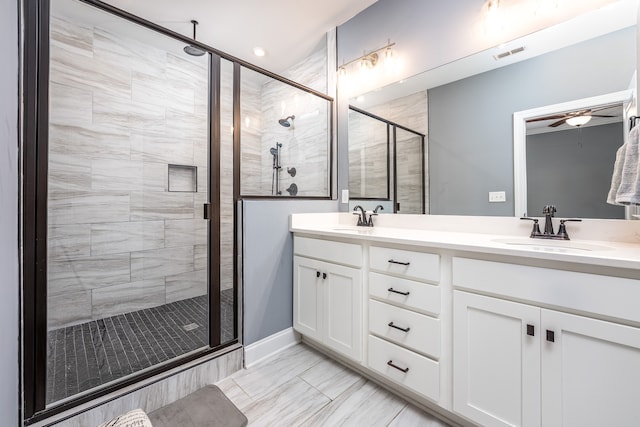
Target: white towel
629,190
617,175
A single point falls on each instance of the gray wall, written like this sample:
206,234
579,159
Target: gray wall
470,121
9,271
268,264
572,170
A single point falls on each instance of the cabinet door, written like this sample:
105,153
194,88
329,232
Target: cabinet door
307,313
496,365
590,372
343,310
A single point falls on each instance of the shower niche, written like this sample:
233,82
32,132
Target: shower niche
182,179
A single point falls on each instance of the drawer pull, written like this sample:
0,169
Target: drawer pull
399,328
392,261
404,370
398,292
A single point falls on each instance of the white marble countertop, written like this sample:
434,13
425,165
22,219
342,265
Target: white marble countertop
512,240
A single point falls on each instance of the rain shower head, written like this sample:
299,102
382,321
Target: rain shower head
191,49
285,122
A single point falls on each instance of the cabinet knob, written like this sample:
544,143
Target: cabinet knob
317,274
531,331
404,370
551,336
324,276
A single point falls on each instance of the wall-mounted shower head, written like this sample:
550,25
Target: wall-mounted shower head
286,122
191,49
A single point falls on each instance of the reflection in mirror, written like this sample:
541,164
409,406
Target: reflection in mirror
386,162
564,155
471,104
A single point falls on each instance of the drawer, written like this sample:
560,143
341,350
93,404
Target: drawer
418,265
411,370
337,252
412,330
414,295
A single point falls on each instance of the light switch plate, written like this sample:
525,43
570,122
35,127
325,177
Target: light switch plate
497,196
345,196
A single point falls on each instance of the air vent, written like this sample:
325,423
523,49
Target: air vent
508,53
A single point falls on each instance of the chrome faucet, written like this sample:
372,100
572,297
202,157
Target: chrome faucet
548,233
362,216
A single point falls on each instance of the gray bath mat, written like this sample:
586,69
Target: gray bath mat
202,408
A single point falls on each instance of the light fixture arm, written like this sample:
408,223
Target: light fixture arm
371,56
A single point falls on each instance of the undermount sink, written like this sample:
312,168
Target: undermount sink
558,246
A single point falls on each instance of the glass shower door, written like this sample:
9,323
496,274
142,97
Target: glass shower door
128,252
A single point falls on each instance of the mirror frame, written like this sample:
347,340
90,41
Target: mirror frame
520,136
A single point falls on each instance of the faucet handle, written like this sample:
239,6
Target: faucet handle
359,217
562,230
536,227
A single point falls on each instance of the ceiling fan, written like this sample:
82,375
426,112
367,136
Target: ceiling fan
564,117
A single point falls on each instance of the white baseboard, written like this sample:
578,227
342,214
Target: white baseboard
266,347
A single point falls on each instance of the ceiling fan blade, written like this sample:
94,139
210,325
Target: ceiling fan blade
558,123
554,117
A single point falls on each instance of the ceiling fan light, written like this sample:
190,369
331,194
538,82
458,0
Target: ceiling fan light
578,120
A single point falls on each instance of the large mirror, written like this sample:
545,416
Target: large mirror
470,105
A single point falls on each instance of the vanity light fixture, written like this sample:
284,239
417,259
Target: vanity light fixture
369,59
578,120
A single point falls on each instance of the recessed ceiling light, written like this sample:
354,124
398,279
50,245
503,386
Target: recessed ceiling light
258,51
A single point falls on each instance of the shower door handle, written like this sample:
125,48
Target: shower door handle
207,211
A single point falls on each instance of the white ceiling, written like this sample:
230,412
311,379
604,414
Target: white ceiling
288,30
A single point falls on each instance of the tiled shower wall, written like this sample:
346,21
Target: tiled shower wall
304,145
121,112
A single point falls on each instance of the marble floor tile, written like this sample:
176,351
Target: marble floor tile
331,378
236,394
276,371
411,416
276,407
363,404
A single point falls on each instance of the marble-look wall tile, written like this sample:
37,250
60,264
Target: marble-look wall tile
200,257
161,262
77,38
69,105
160,148
69,308
69,173
188,232
69,241
148,206
162,392
81,207
155,177
186,285
96,141
124,237
116,175
117,299
67,276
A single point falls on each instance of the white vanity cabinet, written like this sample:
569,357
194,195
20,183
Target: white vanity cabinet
327,295
404,329
520,364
